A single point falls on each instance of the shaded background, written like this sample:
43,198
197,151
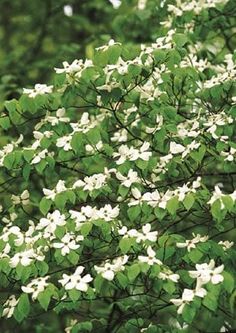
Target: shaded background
37,35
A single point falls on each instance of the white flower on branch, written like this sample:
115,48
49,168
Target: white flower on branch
109,269
36,286
76,281
39,89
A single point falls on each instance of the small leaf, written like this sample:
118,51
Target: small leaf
45,205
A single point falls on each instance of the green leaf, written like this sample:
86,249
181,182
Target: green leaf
122,279
9,160
172,205
188,314
133,272
180,39
5,123
23,306
14,114
133,212
169,287
228,202
188,201
45,205
86,228
42,267
44,298
210,301
74,294
125,244
228,282
73,257
195,255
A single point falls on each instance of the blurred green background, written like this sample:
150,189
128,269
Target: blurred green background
37,35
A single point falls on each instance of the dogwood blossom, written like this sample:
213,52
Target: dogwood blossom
109,269
39,89
208,273
9,306
191,243
147,234
125,153
168,275
91,183
127,181
21,199
226,244
59,117
25,258
36,286
187,297
76,281
150,259
68,243
60,187
49,224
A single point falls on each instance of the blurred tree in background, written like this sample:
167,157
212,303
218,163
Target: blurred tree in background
36,36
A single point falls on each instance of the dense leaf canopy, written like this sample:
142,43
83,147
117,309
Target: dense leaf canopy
118,199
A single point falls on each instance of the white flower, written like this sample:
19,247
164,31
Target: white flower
176,148
193,145
191,243
25,258
109,269
120,136
151,258
5,251
21,199
64,142
9,306
68,10
137,197
36,286
94,148
187,297
73,322
38,157
58,118
111,41
207,273
75,69
115,3
127,181
226,244
76,281
68,243
60,187
168,275
128,233
50,223
125,153
91,183
218,195
142,4
108,213
39,89
147,234
143,153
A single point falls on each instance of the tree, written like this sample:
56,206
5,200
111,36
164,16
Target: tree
118,206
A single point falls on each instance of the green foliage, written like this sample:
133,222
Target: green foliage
118,198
